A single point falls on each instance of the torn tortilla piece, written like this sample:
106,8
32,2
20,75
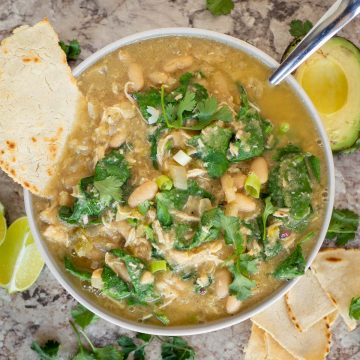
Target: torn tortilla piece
39,106
256,347
307,303
275,351
313,344
338,273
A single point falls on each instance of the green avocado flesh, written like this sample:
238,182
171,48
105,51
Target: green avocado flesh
331,78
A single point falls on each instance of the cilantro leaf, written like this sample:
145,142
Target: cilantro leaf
82,316
109,188
269,209
211,146
299,29
129,346
49,351
72,50
354,309
176,348
99,191
186,104
343,226
80,274
241,285
220,7
114,287
108,352
232,234
292,266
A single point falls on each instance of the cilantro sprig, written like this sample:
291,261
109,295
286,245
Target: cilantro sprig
354,309
220,7
172,348
298,28
343,226
72,49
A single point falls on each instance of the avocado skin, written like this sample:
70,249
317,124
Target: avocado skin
350,116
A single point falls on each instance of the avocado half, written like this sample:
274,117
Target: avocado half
331,78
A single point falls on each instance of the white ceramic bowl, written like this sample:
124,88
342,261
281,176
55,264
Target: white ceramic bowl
81,295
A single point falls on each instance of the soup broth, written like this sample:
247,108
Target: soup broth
178,203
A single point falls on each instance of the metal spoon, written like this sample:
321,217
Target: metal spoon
340,13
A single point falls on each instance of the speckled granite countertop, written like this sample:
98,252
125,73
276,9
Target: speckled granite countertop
43,311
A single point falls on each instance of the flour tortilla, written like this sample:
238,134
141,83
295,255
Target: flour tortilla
307,303
313,344
275,351
39,104
338,271
256,348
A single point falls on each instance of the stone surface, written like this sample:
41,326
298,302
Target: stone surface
43,311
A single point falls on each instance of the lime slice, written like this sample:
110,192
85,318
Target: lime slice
20,261
2,228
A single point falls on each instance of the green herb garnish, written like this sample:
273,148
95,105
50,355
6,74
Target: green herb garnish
80,274
343,226
49,351
292,267
299,29
354,309
220,7
72,49
82,316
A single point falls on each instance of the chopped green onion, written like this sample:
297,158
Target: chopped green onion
149,233
158,265
252,185
284,128
164,183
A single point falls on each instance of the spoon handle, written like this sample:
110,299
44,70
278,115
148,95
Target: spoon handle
340,13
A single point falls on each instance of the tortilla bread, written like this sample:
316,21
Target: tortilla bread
300,312
275,351
313,344
39,103
338,273
256,348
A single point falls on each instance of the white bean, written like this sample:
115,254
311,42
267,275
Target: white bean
158,77
241,203
227,184
136,77
143,192
96,279
178,63
117,139
147,278
239,180
259,166
222,282
233,305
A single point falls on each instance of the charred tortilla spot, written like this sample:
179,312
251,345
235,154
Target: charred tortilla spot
33,139
11,145
52,150
333,259
13,159
49,171
26,184
13,172
34,59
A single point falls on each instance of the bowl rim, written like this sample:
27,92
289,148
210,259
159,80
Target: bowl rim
106,314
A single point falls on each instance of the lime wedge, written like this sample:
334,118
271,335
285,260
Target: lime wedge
2,228
20,261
